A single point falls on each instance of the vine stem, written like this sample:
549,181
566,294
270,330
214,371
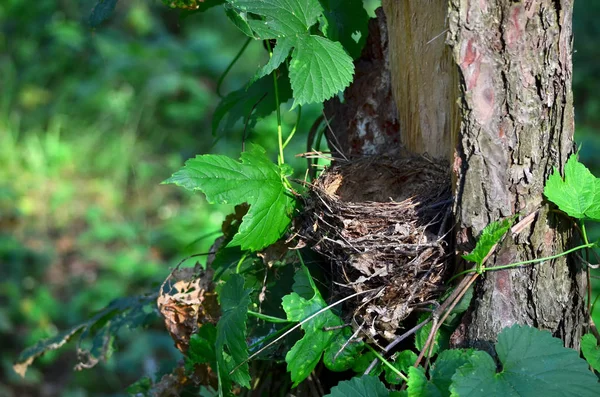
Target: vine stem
233,62
387,363
280,158
268,318
289,138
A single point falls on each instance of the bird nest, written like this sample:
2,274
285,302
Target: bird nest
382,224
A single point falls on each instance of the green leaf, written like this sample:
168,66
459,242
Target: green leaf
591,350
256,181
347,357
202,347
490,235
346,21
578,194
101,12
533,364
364,360
306,353
98,331
280,53
280,17
253,102
240,20
403,361
423,333
360,387
418,385
230,341
319,69
446,365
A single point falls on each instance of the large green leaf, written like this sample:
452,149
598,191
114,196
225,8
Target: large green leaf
578,194
256,181
340,355
319,69
280,17
533,364
418,385
360,387
280,53
230,341
591,350
306,353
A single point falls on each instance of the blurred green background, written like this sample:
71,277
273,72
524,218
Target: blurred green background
91,121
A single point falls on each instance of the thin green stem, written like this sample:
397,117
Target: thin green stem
239,264
233,62
268,318
547,258
387,363
280,158
289,138
583,232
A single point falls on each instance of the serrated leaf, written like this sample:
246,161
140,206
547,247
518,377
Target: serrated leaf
591,350
280,17
98,331
101,12
239,19
256,181
446,365
489,236
253,102
346,21
578,194
280,53
230,341
403,361
306,353
319,69
360,387
346,357
533,364
418,385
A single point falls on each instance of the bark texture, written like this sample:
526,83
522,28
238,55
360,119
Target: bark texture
424,79
517,123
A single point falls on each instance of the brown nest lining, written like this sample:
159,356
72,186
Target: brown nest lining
382,223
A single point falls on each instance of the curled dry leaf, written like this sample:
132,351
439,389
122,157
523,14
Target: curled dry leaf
187,301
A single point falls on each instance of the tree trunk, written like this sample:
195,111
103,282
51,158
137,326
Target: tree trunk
515,123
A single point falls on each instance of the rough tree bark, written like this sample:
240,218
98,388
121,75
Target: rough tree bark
513,124
517,123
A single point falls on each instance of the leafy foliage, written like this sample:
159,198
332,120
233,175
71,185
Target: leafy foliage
319,67
533,364
403,361
306,353
230,340
100,329
578,194
256,180
591,350
489,237
359,387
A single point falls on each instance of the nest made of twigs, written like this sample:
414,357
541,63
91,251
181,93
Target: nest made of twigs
382,223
